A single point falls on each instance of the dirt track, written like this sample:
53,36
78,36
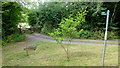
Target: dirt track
39,37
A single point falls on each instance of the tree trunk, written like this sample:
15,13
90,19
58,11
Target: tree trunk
66,51
67,54
113,15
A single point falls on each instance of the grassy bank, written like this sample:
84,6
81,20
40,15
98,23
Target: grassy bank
13,39
99,42
50,54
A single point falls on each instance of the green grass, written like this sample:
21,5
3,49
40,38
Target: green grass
114,43
50,54
31,34
10,48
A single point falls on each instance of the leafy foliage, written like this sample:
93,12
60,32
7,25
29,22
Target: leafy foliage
12,39
68,29
11,16
11,13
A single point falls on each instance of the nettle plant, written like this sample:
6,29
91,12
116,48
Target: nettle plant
68,29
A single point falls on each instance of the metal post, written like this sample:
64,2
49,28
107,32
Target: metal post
105,38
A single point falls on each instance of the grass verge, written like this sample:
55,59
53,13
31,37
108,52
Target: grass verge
50,54
114,43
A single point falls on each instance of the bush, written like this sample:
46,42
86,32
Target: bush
47,29
98,35
13,39
85,34
112,35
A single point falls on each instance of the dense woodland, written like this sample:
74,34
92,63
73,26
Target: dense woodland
45,18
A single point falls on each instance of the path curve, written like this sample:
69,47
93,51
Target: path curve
39,37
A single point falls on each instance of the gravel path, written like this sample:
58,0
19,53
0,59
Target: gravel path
39,37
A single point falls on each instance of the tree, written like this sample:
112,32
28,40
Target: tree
114,8
51,13
11,15
68,29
